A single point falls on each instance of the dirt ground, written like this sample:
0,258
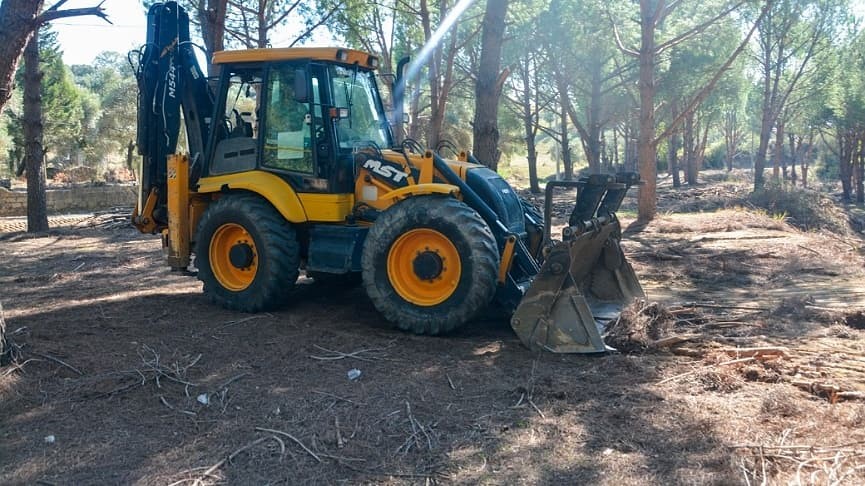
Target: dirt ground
128,375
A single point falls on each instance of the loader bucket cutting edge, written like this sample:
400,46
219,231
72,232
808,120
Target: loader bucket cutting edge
582,283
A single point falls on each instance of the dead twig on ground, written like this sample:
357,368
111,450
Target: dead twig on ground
231,380
293,438
532,403
764,352
19,366
171,407
176,375
450,382
672,340
337,397
832,392
336,355
58,361
850,447
209,472
704,368
245,319
417,429
724,307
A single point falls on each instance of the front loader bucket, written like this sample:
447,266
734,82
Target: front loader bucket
584,282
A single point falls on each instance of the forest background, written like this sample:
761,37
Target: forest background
655,86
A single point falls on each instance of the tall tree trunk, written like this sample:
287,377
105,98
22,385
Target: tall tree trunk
488,88
699,154
414,127
778,155
647,199
211,15
673,158
529,122
690,148
845,159
794,155
566,143
766,122
6,357
673,150
859,164
730,138
34,154
593,142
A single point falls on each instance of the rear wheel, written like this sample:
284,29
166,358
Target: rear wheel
246,254
430,264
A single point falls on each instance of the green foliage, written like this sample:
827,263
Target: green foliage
111,81
88,110
715,156
63,110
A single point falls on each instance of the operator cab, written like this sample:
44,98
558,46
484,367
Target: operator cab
300,113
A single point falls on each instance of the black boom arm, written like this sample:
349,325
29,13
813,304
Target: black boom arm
169,78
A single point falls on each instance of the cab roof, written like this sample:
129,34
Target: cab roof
329,54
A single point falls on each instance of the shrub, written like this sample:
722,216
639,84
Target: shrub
803,208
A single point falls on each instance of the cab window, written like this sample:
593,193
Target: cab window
287,125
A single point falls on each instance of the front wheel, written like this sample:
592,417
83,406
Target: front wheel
246,253
430,264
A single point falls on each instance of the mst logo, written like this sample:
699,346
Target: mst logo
391,172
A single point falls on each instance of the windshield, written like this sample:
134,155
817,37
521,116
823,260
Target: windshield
355,89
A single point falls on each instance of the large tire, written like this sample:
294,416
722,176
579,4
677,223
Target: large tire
430,264
246,253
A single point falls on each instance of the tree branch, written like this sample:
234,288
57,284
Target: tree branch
696,30
54,13
619,44
317,24
704,92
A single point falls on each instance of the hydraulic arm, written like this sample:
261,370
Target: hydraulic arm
169,78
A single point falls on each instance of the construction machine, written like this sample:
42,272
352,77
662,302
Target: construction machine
289,163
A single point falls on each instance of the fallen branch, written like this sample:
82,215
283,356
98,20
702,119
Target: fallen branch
532,403
450,382
763,352
337,397
812,448
717,306
19,366
212,469
695,371
245,319
58,361
340,355
170,407
832,392
672,340
293,438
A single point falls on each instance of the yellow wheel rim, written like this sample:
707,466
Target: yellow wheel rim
423,266
239,274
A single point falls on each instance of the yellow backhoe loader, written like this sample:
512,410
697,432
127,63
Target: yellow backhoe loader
291,164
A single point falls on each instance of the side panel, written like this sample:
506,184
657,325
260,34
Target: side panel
331,208
335,248
269,186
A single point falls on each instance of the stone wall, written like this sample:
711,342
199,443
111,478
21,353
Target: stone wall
75,199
